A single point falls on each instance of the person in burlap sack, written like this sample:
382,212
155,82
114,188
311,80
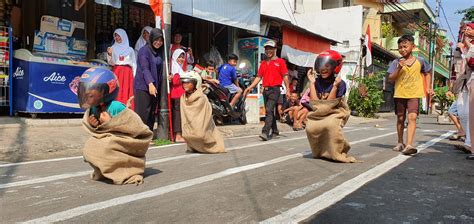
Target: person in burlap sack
199,130
330,111
119,139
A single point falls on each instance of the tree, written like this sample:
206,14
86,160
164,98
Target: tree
468,13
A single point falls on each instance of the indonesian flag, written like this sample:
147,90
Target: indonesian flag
157,7
368,45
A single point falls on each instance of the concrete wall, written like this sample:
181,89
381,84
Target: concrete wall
373,19
340,29
312,5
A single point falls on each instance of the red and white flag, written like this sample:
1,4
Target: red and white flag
368,45
157,7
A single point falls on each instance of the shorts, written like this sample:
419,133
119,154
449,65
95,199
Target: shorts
233,88
453,109
403,105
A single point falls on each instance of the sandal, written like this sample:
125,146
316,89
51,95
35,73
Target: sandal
399,147
409,150
456,137
470,157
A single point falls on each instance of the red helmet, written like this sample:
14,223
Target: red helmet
329,59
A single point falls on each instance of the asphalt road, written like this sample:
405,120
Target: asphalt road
269,182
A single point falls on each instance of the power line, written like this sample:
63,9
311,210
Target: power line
450,30
293,11
404,12
289,13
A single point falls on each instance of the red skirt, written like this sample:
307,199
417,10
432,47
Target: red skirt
124,75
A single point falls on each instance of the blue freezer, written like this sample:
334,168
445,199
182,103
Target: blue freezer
46,84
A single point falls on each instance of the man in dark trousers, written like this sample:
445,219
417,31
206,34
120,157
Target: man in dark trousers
272,71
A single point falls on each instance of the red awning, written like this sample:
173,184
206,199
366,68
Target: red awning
304,42
301,49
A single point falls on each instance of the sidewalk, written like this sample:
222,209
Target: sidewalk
23,139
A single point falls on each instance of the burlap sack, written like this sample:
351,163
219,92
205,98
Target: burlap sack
198,128
324,130
116,149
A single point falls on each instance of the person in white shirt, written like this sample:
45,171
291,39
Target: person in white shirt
123,60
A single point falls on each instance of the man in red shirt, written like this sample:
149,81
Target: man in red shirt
272,71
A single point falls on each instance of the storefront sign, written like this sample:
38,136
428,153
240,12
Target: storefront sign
42,87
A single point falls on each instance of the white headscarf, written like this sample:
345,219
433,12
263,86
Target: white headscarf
121,49
175,67
141,41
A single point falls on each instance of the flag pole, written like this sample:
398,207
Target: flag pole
162,11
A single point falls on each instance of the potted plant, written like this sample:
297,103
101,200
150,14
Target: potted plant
366,97
444,101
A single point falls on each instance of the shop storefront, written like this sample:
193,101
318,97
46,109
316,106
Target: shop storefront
56,40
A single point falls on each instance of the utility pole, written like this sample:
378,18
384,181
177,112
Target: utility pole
433,55
163,120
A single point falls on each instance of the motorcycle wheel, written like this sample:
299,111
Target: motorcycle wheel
218,121
243,115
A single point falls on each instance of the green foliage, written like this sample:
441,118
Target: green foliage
368,96
443,100
159,142
388,31
468,13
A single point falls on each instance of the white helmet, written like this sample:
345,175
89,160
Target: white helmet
192,76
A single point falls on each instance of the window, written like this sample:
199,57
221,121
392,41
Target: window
345,43
299,6
346,3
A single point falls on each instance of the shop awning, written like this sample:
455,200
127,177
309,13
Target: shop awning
244,14
302,49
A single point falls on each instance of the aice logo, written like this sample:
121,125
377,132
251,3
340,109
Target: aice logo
19,73
56,78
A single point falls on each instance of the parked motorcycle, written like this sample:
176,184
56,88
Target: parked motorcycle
219,97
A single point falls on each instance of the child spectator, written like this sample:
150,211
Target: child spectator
209,73
407,72
295,112
228,78
177,91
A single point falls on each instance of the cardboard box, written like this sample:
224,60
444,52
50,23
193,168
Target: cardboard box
55,25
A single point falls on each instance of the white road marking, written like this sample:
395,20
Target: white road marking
153,147
84,173
61,216
81,210
311,207
48,201
300,192
369,155
151,162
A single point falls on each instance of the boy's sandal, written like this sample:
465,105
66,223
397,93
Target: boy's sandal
456,137
399,147
409,150
470,157
462,148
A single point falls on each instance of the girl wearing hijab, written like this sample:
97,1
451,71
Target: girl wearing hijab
148,78
188,55
124,63
177,90
144,37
